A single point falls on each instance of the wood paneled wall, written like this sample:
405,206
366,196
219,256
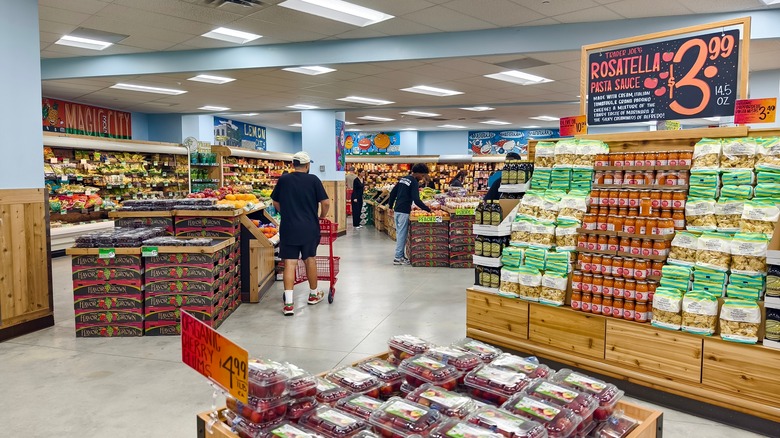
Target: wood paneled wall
26,301
337,192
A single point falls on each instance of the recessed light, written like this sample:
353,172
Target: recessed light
518,77
531,127
420,114
545,118
145,89
353,130
409,129
376,119
312,70
302,106
211,79
296,125
452,126
431,91
770,2
84,43
495,122
349,123
248,114
338,10
479,108
365,100
214,108
231,35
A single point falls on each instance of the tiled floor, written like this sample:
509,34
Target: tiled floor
53,384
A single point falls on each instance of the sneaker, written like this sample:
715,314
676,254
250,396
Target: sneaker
403,261
359,227
315,298
288,310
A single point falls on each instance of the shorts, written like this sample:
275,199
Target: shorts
294,252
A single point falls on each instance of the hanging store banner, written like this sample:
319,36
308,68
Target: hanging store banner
75,118
694,76
341,152
239,134
373,143
503,142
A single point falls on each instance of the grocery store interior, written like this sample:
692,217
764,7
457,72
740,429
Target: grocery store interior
616,275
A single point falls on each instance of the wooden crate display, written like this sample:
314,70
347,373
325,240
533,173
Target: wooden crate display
143,219
575,332
461,241
497,315
201,226
428,244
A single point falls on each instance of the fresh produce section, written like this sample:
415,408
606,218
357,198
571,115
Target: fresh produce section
379,175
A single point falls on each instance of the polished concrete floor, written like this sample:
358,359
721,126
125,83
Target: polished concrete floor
53,384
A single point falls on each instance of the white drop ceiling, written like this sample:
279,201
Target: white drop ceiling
172,25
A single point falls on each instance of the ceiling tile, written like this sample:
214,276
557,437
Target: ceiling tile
395,7
402,26
448,20
150,19
710,6
600,13
176,8
82,6
361,32
301,20
59,15
282,31
554,8
643,8
467,65
499,12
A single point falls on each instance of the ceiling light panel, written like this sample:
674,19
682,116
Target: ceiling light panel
495,122
420,114
479,108
518,77
338,10
209,79
146,89
432,91
452,126
545,118
213,108
84,43
231,35
365,100
301,106
296,125
376,119
312,70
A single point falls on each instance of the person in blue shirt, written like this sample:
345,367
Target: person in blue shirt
406,191
494,182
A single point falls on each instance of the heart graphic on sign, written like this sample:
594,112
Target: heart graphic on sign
711,71
668,56
664,75
651,83
660,92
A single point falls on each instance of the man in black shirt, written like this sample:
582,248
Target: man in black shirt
297,197
406,191
357,197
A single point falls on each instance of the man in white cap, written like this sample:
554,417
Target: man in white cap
297,197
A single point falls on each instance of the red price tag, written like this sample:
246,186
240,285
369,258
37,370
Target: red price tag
575,125
755,111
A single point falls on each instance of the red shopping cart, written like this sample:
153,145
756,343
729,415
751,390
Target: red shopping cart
327,266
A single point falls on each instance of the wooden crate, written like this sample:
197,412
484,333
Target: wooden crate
747,370
566,329
498,315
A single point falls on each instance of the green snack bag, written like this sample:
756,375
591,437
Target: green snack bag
737,192
737,177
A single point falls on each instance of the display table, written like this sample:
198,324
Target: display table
735,376
651,421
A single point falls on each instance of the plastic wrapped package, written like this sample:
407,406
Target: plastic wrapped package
705,178
607,394
530,283
740,321
359,405
738,177
573,207
676,277
405,346
486,352
357,381
288,430
332,423
767,191
699,313
542,234
748,253
544,156
495,385
530,204
399,418
566,234
449,403
386,372
261,412
299,406
463,361
742,193
509,281
528,366
553,290
706,154
759,216
507,424
581,403
684,247
700,214
245,428
267,378
738,153
560,422
617,426
714,251
421,369
768,153
462,429
301,383
728,214
667,306
565,153
329,392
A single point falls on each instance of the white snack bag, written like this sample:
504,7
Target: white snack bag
728,214
706,154
748,253
521,232
566,236
544,156
510,282
553,289
684,248
714,251
740,321
530,281
759,216
667,304
573,207
699,313
738,153
768,154
565,153
529,206
542,234
700,215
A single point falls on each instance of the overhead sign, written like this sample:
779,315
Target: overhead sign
576,125
239,134
75,118
755,111
214,356
372,143
503,142
694,76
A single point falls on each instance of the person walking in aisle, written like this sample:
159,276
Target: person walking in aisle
357,198
458,180
297,197
494,182
406,191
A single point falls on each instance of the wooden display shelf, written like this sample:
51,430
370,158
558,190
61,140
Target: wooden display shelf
123,214
221,244
657,258
707,369
96,251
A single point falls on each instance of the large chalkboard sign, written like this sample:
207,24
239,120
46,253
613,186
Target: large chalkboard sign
694,76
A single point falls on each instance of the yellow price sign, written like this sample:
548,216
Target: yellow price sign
215,356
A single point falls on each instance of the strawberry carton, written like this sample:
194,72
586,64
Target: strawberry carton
528,366
177,300
245,428
180,286
421,369
105,316
559,421
286,430
486,352
181,259
359,405
454,428
101,275
80,262
463,361
399,418
106,289
332,423
386,372
449,403
301,383
357,381
261,412
495,385
106,330
330,393
162,328
267,378
297,407
607,394
507,424
108,302
580,403
406,346
406,389
181,273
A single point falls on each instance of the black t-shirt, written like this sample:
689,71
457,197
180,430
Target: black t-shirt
299,195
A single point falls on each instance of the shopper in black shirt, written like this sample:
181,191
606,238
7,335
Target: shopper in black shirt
297,197
406,191
458,180
357,197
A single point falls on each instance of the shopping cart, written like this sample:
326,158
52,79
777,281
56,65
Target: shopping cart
327,266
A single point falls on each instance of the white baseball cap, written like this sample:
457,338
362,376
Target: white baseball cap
302,157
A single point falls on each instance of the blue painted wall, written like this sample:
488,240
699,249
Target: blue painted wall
139,123
279,140
442,143
409,142
165,127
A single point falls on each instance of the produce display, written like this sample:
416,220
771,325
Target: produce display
399,418
359,405
253,172
495,385
386,372
381,174
506,423
449,403
559,421
462,429
332,423
355,380
419,370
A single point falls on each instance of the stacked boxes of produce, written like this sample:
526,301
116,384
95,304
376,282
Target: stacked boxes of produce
428,243
207,226
462,210
145,213
108,282
717,272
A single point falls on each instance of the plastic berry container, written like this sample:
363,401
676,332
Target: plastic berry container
406,346
359,405
289,430
245,428
454,428
581,403
486,352
507,424
559,421
332,423
394,361
421,369
365,434
329,393
495,385
617,426
449,403
386,372
357,381
406,389
267,379
399,418
299,406
607,394
527,366
261,411
302,383
463,361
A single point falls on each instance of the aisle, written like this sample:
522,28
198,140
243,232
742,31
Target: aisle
56,385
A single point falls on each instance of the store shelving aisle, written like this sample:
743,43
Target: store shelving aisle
56,385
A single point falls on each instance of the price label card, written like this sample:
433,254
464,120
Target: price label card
155,164
464,212
83,161
571,126
79,178
64,178
755,111
215,356
429,219
53,160
149,251
106,253
65,161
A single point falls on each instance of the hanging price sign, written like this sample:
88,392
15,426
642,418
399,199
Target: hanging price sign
571,126
106,253
755,111
214,356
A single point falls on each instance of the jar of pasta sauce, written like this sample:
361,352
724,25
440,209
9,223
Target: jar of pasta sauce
617,308
629,308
